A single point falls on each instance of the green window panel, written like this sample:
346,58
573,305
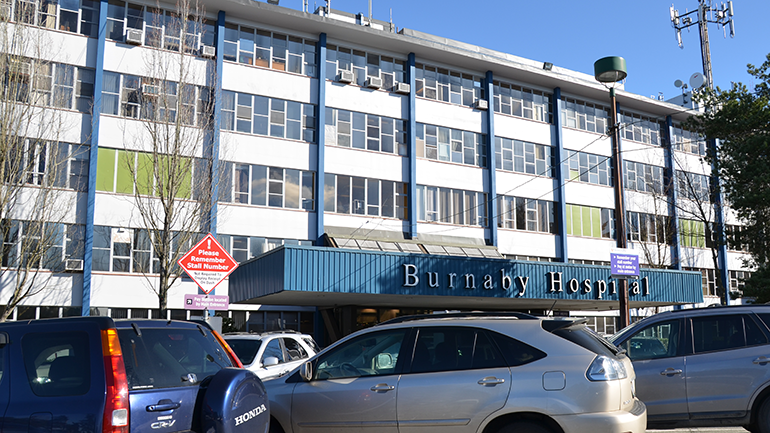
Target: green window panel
586,211
144,174
596,222
105,170
185,189
125,178
569,219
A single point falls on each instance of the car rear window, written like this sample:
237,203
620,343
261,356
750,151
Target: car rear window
586,338
57,363
169,357
245,348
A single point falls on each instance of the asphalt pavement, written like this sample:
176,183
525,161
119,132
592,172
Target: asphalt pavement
703,430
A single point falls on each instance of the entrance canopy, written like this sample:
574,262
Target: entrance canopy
330,277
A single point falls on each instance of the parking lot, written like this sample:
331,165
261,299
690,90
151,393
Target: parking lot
702,430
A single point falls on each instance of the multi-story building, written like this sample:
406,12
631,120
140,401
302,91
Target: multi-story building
324,133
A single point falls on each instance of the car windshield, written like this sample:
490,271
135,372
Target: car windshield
245,348
168,357
620,335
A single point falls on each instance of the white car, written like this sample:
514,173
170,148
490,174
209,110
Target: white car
272,354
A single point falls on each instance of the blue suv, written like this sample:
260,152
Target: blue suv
96,375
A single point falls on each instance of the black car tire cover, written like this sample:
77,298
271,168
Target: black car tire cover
235,401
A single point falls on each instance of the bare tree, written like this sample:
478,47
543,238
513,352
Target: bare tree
167,155
36,197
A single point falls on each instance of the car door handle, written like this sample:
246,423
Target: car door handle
382,387
761,360
163,405
670,372
491,380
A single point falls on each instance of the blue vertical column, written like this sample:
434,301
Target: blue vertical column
321,128
491,159
93,158
215,134
411,139
716,188
561,168
673,198
673,195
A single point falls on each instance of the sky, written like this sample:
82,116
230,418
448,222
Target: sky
574,34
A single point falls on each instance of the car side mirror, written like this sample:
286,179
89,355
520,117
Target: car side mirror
270,361
306,371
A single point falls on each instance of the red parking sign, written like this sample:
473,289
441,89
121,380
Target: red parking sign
207,263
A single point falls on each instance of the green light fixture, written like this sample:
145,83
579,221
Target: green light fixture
610,69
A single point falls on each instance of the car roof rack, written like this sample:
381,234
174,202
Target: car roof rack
461,315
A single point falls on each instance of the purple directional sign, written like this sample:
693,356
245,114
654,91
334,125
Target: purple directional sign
206,302
624,263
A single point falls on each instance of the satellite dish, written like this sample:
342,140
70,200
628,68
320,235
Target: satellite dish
696,80
678,83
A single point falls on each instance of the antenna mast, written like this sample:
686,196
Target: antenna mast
705,14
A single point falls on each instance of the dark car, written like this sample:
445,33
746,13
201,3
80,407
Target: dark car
93,374
704,367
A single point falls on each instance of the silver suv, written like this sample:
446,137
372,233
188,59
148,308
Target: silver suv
462,372
703,367
272,354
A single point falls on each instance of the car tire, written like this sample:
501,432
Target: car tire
525,427
762,421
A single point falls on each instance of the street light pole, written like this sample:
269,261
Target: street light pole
611,70
620,219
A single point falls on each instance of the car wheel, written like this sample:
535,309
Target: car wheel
235,401
762,421
525,427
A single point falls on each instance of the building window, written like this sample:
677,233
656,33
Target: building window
590,222
362,196
693,186
50,246
526,214
244,248
451,145
50,84
522,157
736,238
649,228
590,168
448,86
365,131
738,280
126,172
692,233
250,46
155,100
452,206
644,178
268,186
47,163
584,116
364,65
75,16
120,249
642,129
687,141
260,115
522,102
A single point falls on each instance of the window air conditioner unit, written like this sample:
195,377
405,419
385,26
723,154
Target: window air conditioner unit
150,90
134,37
73,265
5,11
482,104
374,82
346,77
208,51
402,88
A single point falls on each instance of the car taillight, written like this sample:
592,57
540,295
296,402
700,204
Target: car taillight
116,406
233,357
604,368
